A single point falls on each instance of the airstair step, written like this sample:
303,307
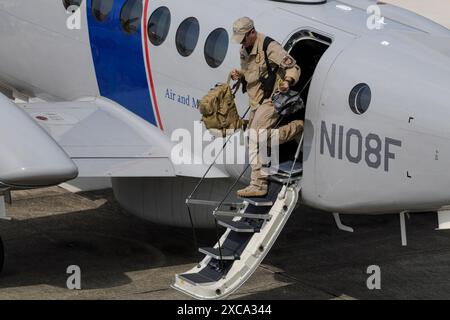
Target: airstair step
195,278
211,273
259,202
234,214
242,252
283,179
269,199
239,226
284,169
227,254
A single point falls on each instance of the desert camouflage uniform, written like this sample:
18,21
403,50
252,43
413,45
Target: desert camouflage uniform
263,115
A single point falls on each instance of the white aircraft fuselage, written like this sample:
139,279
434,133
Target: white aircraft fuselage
377,138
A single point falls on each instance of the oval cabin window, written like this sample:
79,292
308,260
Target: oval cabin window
101,9
69,3
131,16
159,25
187,36
216,47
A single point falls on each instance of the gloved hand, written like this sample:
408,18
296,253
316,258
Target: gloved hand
284,86
235,74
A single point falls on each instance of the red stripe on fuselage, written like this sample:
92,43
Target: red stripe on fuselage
149,69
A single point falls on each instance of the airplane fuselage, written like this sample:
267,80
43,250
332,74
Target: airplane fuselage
377,138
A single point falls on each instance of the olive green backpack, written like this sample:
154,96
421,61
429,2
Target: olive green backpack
218,108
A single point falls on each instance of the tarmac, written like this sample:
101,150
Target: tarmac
122,257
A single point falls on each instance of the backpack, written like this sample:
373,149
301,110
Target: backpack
218,109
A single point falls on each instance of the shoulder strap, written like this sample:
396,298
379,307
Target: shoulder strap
267,42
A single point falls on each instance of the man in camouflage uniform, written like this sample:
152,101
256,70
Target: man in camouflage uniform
263,115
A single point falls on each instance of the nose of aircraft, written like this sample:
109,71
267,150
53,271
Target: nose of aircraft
29,157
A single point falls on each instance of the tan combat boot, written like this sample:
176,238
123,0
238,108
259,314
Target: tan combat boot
252,191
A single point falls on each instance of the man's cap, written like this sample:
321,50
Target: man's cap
241,27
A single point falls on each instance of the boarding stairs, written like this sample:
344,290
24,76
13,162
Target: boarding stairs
252,227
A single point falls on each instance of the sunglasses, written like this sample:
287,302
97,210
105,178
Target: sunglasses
246,35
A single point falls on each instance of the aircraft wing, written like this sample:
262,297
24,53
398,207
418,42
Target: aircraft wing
105,140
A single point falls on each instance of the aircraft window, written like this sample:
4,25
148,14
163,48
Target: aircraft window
216,47
68,3
131,16
101,9
360,98
159,25
187,36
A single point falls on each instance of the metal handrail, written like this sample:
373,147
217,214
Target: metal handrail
213,163
189,199
297,155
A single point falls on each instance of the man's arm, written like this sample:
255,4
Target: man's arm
278,55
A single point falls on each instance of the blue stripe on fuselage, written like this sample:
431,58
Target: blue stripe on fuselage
119,63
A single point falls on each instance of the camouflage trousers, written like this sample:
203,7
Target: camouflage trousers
263,118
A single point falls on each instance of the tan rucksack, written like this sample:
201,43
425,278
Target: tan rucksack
218,109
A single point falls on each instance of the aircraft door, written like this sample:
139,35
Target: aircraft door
314,53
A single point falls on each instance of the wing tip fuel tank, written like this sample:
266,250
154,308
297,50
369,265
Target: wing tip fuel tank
29,156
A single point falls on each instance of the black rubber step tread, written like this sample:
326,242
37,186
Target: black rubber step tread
255,223
213,272
283,179
224,253
197,278
285,168
239,226
233,245
251,209
237,242
272,194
